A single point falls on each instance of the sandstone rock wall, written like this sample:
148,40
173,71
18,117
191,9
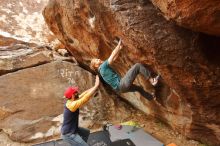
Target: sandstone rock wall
202,16
188,93
23,20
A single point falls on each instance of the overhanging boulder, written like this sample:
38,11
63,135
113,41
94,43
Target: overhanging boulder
189,88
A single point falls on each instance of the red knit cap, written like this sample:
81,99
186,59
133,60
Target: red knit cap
70,91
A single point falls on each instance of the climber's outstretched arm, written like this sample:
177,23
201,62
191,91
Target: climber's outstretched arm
115,53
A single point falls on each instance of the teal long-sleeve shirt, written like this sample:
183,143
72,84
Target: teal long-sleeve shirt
109,75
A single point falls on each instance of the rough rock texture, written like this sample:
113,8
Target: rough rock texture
23,20
188,62
203,16
20,56
26,19
17,54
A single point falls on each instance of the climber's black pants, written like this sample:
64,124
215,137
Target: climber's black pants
126,83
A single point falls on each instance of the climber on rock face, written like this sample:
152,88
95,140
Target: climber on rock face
124,84
70,132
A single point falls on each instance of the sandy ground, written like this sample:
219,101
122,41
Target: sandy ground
164,133
150,125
